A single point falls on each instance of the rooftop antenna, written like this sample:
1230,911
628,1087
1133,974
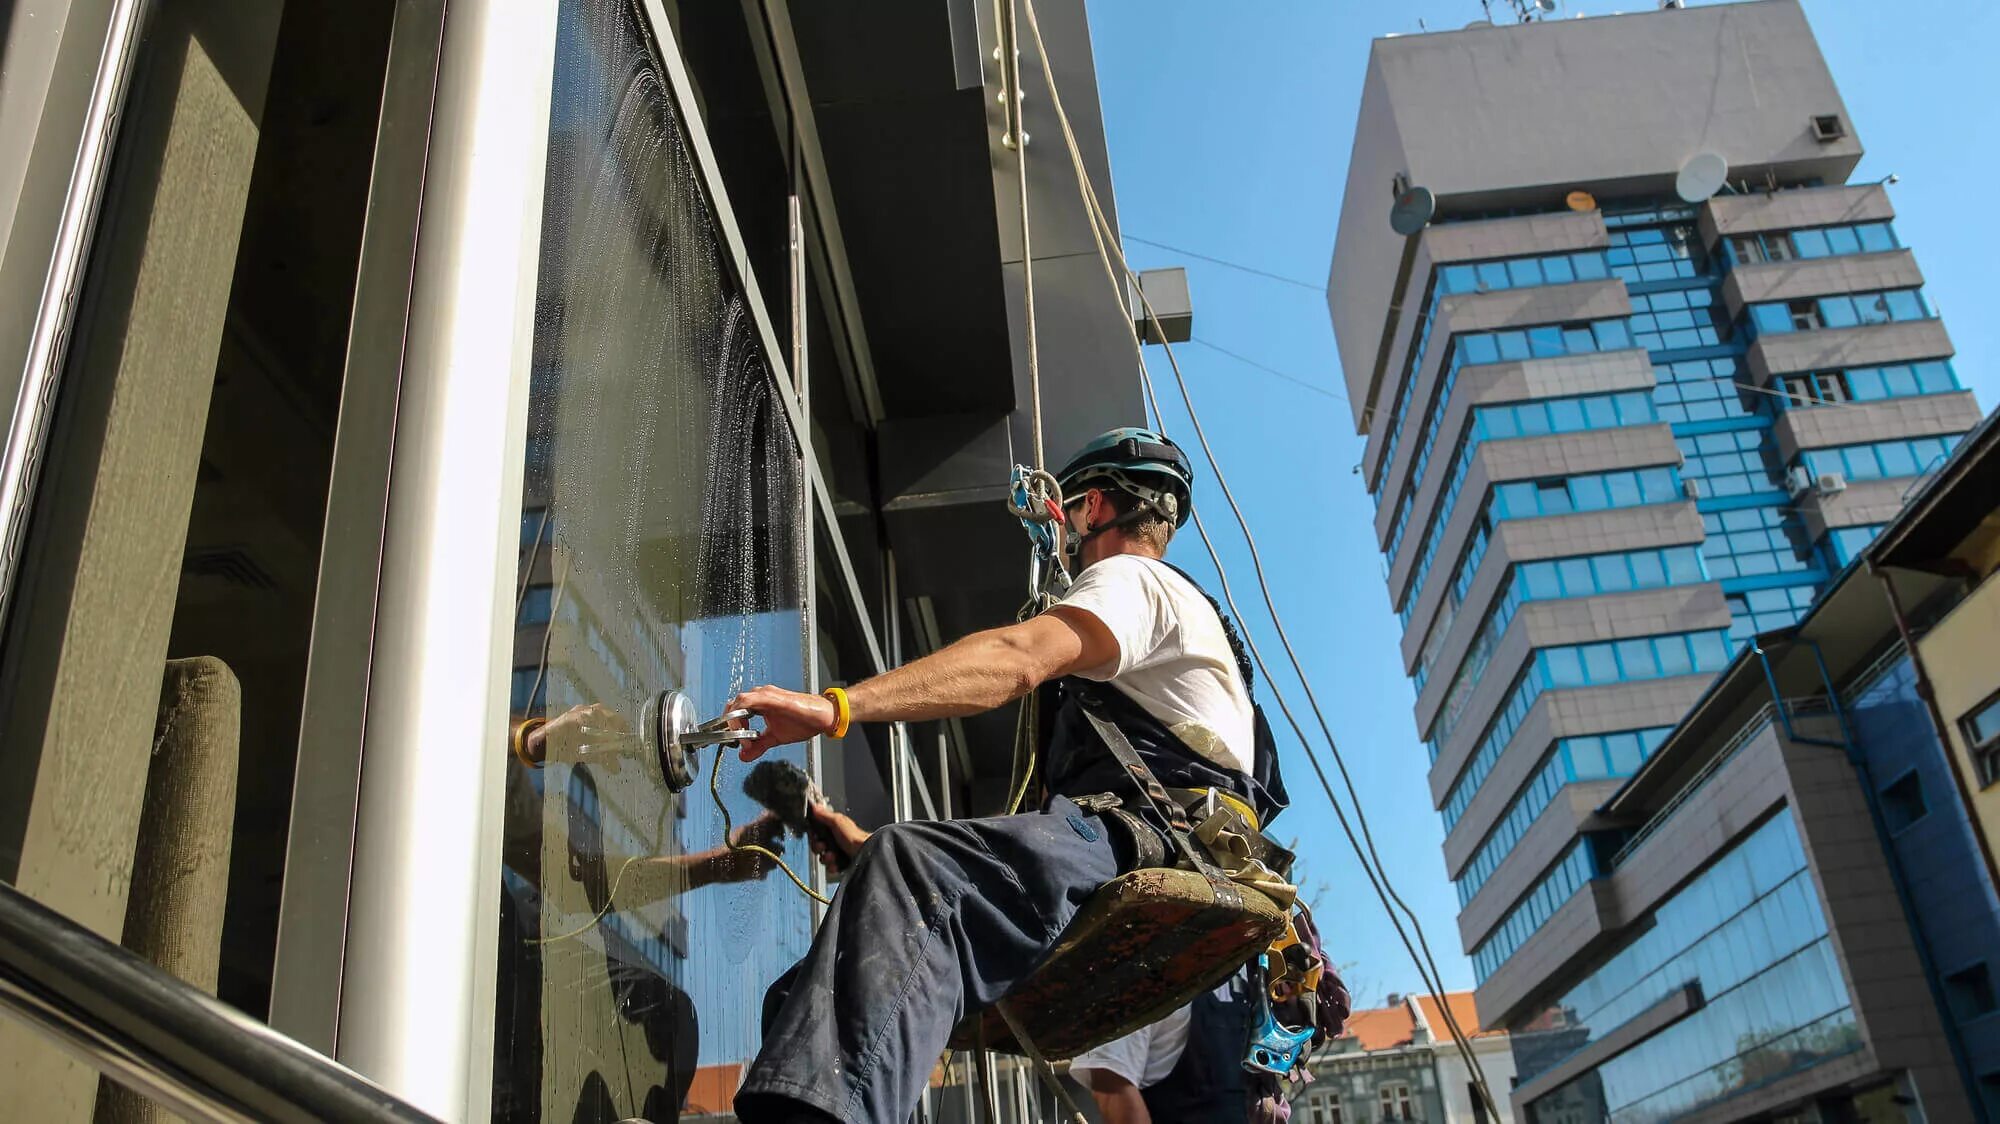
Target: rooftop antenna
1701,176
1527,11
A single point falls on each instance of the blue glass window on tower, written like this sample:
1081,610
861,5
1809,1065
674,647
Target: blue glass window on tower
1881,460
1748,931
1842,310
1552,579
1540,903
1399,415
1596,757
1901,380
1766,610
1848,542
1547,341
1545,416
1518,273
1598,491
1659,253
1549,496
1635,659
1817,242
1865,384
1703,390
1754,541
1677,319
1736,463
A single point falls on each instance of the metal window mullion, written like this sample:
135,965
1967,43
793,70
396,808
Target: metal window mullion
48,345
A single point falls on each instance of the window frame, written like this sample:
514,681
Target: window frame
1985,753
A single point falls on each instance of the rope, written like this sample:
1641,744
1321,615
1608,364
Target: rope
729,833
1042,1068
1016,110
1425,963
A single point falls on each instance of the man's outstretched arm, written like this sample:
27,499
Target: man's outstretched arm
983,671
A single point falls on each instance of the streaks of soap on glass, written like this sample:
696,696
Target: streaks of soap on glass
661,547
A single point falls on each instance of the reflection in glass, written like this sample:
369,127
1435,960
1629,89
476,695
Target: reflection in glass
661,548
1748,931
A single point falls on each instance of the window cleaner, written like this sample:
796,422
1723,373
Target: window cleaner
1145,855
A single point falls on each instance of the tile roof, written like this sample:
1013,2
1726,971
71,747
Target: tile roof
1384,1028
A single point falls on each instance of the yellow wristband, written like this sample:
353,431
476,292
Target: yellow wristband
842,713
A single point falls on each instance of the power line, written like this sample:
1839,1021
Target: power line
1306,285
1269,370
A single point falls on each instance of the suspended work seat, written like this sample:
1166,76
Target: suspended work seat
1143,946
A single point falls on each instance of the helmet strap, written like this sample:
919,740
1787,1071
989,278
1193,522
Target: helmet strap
1073,542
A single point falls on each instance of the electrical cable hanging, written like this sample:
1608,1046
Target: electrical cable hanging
1377,873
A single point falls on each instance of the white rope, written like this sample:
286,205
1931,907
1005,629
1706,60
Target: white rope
1018,116
1425,963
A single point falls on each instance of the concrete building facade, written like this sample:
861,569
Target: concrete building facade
1614,431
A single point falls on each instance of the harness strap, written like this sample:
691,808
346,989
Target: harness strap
1178,828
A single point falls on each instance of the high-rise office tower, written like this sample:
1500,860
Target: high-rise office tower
1652,374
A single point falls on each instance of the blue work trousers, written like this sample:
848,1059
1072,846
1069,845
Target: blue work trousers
934,921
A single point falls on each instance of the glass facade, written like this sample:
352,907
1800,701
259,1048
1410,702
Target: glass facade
1582,576
1841,310
1749,932
1536,906
1552,579
1880,460
1845,543
1867,384
1810,242
1547,341
1592,758
1581,665
663,495
1756,542
1765,610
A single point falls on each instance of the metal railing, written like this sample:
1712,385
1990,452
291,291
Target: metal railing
165,1039
1754,725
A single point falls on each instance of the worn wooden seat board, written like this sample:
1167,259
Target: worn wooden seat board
1145,944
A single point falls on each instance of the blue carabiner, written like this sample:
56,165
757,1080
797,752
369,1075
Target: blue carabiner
1273,1049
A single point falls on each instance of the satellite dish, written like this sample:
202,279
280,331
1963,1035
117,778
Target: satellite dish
1542,5
1478,23
1581,201
1413,211
1701,176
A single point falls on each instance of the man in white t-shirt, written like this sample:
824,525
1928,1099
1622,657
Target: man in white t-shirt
938,919
1118,1071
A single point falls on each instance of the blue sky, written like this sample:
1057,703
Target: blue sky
1229,127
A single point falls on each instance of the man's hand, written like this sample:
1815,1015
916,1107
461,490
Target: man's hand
835,838
725,864
789,716
576,732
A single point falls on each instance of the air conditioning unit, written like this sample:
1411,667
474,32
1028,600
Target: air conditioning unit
1691,488
1832,484
1798,481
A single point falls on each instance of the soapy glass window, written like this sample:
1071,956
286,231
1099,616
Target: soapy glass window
662,515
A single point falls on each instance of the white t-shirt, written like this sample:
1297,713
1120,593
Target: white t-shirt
1144,1057
1173,657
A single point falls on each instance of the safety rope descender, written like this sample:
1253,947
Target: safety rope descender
1034,497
